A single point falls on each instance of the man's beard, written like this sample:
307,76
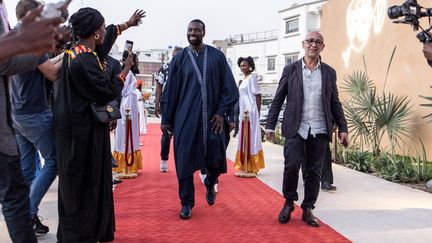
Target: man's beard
312,54
195,42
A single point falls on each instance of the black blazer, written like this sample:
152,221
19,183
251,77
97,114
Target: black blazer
291,88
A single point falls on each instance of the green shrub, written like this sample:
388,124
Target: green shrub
359,160
421,167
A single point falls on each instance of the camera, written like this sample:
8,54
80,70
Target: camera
411,12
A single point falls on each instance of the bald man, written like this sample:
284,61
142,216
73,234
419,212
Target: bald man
312,104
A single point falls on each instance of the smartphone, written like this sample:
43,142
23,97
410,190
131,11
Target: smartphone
53,10
127,49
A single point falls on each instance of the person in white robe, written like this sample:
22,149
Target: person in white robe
249,157
141,110
129,101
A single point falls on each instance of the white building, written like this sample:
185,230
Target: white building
150,62
273,49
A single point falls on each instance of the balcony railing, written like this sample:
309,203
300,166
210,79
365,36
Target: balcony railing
253,37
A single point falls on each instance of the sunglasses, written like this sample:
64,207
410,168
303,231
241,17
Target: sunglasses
317,42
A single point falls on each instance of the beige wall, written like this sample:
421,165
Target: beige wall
409,73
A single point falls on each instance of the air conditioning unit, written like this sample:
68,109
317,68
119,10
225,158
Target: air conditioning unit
316,11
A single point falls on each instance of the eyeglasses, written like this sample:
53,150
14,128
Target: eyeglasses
317,42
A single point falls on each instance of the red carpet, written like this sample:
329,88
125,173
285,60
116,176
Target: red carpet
147,208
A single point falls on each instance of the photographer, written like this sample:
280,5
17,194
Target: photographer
427,52
409,13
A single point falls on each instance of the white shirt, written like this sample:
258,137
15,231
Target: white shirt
313,116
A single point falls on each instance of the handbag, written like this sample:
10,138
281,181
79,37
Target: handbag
106,113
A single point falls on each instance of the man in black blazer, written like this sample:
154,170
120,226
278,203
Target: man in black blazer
312,104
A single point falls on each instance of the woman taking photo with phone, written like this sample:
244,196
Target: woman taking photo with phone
86,208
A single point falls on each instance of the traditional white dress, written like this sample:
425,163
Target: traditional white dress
247,102
129,100
141,111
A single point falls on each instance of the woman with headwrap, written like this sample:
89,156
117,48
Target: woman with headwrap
86,209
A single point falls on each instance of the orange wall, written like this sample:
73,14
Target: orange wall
409,73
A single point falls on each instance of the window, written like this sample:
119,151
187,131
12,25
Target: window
271,63
291,26
290,59
266,102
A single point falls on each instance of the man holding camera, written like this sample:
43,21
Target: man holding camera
427,52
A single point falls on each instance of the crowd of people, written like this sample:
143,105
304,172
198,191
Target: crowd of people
196,96
73,144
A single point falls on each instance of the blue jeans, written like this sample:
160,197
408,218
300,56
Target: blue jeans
14,198
38,164
35,132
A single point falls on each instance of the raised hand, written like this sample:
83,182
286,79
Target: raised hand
136,18
129,60
38,35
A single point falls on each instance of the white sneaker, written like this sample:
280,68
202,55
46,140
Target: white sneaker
216,187
164,166
202,176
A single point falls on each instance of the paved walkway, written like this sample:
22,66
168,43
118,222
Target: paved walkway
363,209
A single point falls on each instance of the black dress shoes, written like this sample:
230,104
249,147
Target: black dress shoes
211,196
327,186
285,213
309,218
210,193
186,212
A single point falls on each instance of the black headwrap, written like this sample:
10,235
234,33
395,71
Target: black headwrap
86,21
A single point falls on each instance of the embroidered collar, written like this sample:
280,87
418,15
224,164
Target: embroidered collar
76,50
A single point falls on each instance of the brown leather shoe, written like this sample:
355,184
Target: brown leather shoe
285,213
309,218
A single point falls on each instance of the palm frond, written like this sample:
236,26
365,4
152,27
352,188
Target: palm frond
371,116
392,115
429,98
356,83
388,67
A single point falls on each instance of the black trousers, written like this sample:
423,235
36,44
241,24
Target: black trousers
310,153
327,172
165,145
187,187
